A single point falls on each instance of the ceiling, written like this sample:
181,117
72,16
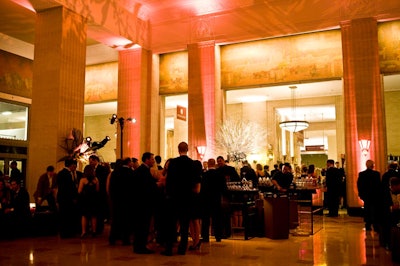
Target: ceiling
164,26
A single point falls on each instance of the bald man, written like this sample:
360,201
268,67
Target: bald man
369,189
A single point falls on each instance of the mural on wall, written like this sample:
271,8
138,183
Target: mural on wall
313,56
389,47
101,83
174,73
16,77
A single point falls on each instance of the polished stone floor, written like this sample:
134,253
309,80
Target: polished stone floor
341,241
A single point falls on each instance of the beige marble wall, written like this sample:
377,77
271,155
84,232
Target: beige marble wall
392,103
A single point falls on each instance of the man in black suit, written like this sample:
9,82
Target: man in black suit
120,191
145,195
179,186
67,196
229,172
334,179
213,187
369,190
101,173
231,175
275,170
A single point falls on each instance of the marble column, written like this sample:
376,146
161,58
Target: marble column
201,97
363,101
58,89
134,101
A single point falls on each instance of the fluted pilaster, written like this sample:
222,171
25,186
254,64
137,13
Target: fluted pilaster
201,97
134,101
58,88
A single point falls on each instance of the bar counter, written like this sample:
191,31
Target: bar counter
261,211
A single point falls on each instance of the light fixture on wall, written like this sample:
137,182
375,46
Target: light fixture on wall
294,125
201,151
364,145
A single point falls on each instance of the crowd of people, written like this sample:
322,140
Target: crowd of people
146,202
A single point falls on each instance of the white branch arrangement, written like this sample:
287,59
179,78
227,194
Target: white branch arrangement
238,138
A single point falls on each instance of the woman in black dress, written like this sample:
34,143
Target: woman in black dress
89,200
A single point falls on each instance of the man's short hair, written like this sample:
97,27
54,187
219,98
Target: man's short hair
183,147
288,165
147,155
393,165
69,162
211,162
127,161
50,168
158,159
134,160
220,157
330,161
94,157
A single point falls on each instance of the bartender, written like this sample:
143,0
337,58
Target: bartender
283,179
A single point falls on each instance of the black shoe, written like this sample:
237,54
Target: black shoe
166,253
181,252
143,251
126,243
205,240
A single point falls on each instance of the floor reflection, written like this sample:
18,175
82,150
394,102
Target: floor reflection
342,241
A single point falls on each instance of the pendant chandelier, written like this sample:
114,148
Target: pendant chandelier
294,125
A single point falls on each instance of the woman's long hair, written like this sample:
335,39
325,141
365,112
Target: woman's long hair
89,173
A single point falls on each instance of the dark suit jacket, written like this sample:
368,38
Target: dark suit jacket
229,172
369,185
121,184
334,178
144,189
180,180
213,187
20,202
67,191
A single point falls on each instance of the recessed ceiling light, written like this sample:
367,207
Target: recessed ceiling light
6,113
